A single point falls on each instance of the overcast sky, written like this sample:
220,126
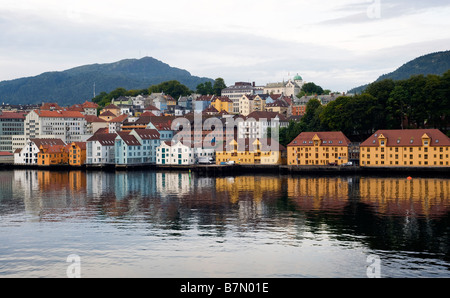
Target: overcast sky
336,44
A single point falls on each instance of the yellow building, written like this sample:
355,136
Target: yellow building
53,155
405,148
77,154
252,152
251,103
222,103
318,148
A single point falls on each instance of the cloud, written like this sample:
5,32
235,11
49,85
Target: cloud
262,41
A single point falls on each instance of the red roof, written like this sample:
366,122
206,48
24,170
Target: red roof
120,118
11,115
89,105
407,137
59,114
92,118
328,138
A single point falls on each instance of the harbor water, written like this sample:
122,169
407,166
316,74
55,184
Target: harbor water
186,225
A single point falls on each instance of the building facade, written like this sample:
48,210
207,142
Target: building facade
319,149
235,92
175,154
406,148
28,154
100,149
11,124
257,151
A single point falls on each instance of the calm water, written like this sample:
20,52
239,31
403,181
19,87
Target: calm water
171,224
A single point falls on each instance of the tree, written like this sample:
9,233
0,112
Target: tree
311,88
172,88
219,84
205,88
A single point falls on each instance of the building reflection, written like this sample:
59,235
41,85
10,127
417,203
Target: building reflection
246,196
425,197
319,193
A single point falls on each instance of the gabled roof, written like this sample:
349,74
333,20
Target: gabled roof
105,139
147,134
107,114
89,105
407,137
120,118
257,115
92,118
45,142
129,139
222,99
111,106
81,145
328,138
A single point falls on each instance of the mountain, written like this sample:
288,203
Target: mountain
77,84
434,63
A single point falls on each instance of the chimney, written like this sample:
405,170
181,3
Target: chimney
253,84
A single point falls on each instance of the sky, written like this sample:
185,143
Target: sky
335,44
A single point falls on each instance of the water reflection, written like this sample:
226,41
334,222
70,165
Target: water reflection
382,214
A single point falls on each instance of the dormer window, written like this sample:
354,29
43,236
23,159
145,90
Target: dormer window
382,143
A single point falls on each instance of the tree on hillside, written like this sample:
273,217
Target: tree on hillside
172,88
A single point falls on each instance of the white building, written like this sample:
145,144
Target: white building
239,89
175,154
69,126
27,155
289,88
256,124
100,149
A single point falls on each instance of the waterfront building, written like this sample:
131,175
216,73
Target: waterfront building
257,123
406,148
175,153
150,140
11,124
28,154
52,155
69,126
318,148
77,153
136,147
100,149
222,103
249,151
